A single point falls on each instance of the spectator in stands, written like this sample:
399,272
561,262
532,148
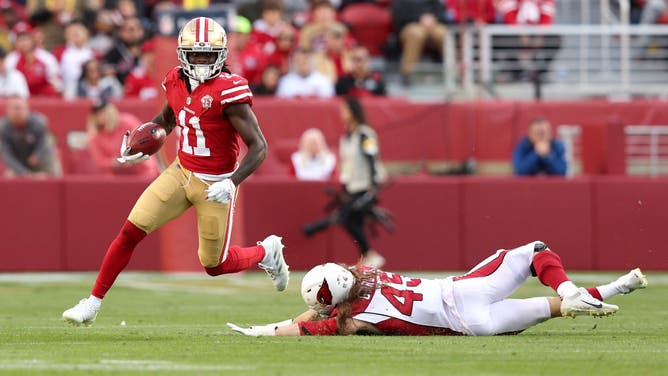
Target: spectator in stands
649,15
303,80
94,85
39,67
50,26
128,8
284,45
124,56
539,152
360,81
420,24
269,83
651,11
104,26
124,9
333,62
477,12
12,82
140,82
8,18
247,59
26,144
74,54
106,125
268,27
296,11
533,53
313,160
323,17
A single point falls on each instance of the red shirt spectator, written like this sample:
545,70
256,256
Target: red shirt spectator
360,81
527,12
284,44
478,11
106,126
248,60
139,82
39,66
270,24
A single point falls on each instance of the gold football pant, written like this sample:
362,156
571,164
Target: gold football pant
170,194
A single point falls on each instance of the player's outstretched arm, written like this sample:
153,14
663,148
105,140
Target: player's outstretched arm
244,121
288,327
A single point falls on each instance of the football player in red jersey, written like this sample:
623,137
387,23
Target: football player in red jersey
211,107
365,300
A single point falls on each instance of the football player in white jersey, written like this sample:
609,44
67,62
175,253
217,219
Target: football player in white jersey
353,300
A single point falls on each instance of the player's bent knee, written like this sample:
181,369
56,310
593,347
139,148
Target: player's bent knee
143,220
207,260
486,329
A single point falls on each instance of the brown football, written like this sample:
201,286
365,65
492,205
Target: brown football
147,138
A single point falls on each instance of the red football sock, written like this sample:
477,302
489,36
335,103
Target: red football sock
593,291
549,269
238,259
117,257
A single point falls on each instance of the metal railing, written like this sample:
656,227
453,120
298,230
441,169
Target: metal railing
582,60
646,149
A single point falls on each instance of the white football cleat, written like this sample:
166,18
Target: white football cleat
83,313
274,263
583,304
632,281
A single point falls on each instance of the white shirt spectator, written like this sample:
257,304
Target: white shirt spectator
313,160
13,84
319,167
293,85
71,62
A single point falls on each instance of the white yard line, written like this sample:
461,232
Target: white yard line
118,365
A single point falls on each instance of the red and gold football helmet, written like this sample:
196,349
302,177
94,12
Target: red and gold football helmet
202,34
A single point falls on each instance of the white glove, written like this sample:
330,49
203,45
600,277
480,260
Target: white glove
254,331
221,191
130,158
260,330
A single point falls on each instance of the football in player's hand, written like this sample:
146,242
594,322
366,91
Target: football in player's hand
147,138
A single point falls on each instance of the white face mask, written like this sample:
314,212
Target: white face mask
201,72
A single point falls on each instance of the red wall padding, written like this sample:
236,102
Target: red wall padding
599,223
94,210
629,223
31,225
499,214
451,131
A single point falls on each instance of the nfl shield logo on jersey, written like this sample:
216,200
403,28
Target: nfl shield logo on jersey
207,100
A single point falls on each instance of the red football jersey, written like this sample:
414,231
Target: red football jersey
208,144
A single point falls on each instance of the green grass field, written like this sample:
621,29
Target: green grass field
176,325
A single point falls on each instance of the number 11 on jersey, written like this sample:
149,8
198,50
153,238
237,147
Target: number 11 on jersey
200,149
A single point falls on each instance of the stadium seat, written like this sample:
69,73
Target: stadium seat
369,24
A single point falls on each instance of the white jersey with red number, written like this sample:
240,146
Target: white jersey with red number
208,144
406,306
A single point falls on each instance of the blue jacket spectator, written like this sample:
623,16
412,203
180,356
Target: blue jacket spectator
539,153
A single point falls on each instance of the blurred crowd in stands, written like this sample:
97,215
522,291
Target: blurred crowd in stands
290,48
105,49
